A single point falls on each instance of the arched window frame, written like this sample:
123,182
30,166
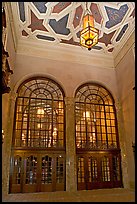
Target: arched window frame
88,94
49,92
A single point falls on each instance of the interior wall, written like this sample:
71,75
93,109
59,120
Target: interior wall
125,73
69,75
5,106
6,101
9,47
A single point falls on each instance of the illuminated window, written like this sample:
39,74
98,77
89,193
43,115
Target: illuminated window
39,114
95,118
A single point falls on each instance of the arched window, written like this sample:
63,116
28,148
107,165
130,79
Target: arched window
97,144
39,114
38,147
96,126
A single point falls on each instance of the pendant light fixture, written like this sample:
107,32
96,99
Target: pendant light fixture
89,34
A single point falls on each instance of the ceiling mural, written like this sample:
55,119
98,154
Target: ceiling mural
60,22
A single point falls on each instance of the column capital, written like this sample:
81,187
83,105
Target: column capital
13,96
118,106
69,101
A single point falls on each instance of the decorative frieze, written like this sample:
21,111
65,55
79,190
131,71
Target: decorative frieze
6,71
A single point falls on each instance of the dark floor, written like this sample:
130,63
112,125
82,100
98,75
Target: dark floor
100,195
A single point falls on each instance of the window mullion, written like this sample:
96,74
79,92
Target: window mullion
28,118
106,125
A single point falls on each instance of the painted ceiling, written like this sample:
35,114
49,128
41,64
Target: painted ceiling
60,22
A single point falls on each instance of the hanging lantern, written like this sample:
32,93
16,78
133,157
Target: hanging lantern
89,34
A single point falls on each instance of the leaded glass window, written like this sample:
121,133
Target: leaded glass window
39,114
95,118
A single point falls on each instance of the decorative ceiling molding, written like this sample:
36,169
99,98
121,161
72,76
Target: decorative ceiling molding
59,24
11,24
130,43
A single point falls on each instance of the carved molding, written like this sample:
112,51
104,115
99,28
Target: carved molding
69,101
13,96
6,71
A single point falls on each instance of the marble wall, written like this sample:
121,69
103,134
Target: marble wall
125,74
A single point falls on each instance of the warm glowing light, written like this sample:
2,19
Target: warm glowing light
40,112
88,20
39,125
89,34
2,135
55,132
16,162
23,137
86,114
60,107
93,137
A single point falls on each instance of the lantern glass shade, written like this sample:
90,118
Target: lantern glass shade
88,20
89,34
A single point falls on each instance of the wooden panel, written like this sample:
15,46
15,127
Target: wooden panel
16,188
60,186
30,188
37,171
101,170
46,188
81,186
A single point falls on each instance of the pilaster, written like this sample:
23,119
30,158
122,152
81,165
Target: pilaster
6,146
71,181
121,132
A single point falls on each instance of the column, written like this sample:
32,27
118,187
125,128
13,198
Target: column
6,146
121,133
71,180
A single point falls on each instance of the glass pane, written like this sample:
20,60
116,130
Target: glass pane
46,176
40,111
16,179
94,117
116,170
60,169
80,170
31,170
94,169
105,169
